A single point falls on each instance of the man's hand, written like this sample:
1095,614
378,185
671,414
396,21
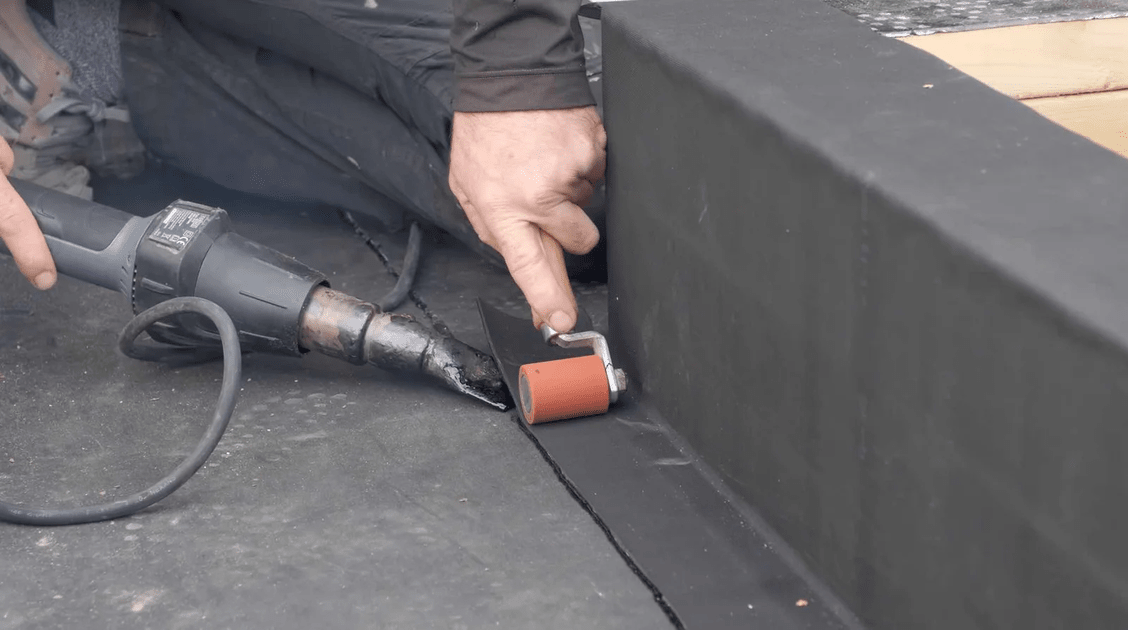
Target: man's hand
522,177
20,232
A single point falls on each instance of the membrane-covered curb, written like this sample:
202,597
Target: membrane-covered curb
885,302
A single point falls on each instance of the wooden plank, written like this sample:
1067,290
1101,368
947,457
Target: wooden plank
1100,117
1039,60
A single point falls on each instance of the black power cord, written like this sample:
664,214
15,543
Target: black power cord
229,390
406,279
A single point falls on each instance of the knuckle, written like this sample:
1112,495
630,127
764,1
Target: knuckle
586,235
601,138
584,243
589,239
594,144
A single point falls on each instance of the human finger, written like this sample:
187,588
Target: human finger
24,240
572,228
536,266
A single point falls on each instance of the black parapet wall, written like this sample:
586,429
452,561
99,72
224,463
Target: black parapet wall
888,304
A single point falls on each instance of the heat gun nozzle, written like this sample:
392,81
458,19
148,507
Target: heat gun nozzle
342,326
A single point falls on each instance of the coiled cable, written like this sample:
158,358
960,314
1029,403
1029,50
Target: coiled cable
225,406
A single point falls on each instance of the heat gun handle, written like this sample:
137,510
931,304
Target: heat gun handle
89,241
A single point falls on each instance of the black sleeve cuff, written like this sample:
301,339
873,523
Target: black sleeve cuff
516,91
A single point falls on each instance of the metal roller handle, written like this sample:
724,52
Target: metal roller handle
616,378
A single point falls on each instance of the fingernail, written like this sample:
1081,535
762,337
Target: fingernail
44,280
559,321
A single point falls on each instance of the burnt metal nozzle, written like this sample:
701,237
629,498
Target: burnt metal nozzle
342,326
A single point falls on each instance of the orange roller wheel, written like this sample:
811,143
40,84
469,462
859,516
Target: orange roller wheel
567,388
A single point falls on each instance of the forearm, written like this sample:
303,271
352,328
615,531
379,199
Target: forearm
518,55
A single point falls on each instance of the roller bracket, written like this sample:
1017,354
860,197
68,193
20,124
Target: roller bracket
616,378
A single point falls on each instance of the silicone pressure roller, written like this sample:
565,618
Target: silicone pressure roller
570,388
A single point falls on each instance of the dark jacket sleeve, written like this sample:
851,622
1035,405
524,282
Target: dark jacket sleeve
518,55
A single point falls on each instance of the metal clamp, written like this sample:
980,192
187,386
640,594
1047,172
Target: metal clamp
616,378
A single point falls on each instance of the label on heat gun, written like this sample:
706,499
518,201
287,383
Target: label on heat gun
179,227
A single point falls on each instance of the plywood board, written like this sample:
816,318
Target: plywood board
1039,60
1100,117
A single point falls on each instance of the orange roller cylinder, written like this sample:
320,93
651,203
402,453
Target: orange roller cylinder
563,389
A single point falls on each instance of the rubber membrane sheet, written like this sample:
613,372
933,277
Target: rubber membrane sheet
345,497
708,558
340,497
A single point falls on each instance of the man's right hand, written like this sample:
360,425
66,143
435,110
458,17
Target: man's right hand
20,232
523,178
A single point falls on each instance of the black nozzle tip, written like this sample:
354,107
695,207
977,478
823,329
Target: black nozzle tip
470,372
